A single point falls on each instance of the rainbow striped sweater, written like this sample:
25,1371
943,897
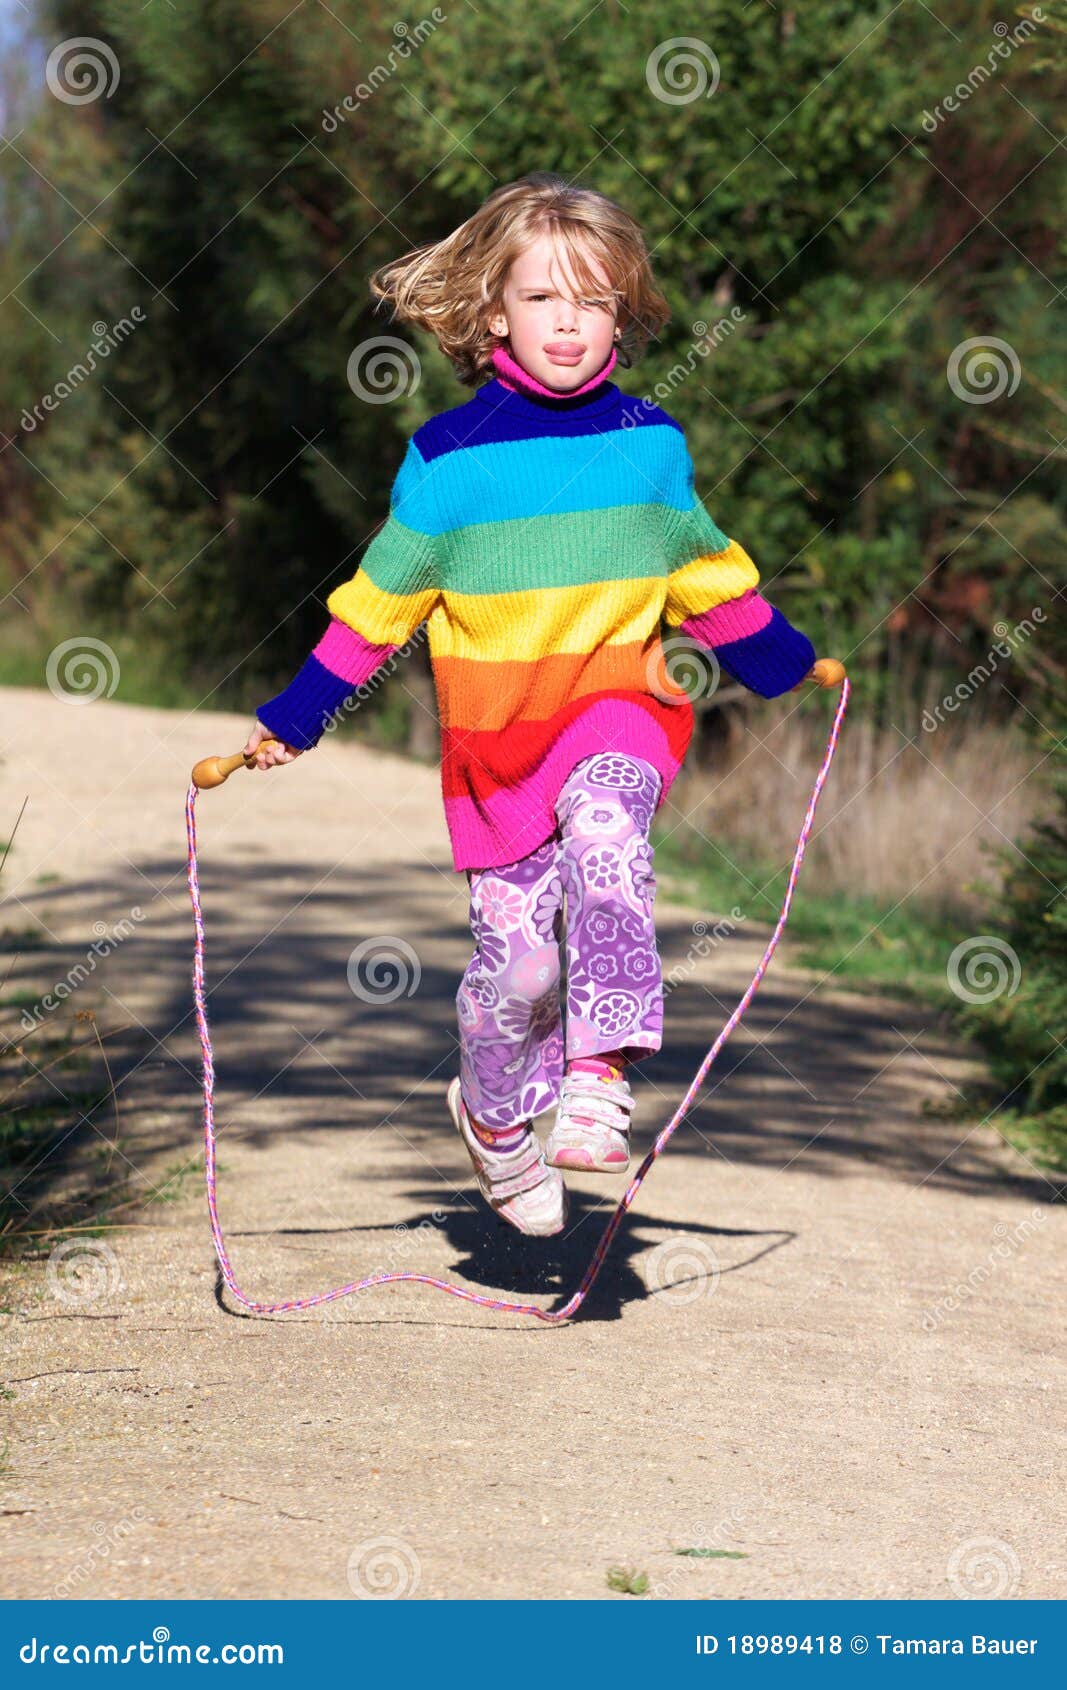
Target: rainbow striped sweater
543,540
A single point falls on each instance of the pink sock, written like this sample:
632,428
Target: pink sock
498,1138
605,1066
602,1064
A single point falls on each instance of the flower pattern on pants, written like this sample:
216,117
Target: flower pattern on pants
565,934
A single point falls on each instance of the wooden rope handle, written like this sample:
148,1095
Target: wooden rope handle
212,771
826,672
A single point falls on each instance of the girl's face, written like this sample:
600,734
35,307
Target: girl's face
560,335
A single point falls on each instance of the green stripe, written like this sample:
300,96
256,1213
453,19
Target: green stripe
401,559
692,534
570,549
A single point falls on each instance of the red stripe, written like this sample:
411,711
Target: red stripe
477,764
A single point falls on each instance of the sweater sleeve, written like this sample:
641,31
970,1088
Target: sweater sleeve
372,614
712,597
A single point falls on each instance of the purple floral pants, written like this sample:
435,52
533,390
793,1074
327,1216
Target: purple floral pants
513,1046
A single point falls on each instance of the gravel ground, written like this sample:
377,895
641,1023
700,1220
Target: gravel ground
828,1339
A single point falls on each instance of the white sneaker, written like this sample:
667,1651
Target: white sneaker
592,1128
517,1183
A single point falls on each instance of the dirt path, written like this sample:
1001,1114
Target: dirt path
829,1340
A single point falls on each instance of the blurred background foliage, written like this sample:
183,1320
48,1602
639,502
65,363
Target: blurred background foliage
195,499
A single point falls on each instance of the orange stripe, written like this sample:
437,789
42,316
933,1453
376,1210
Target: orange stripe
490,696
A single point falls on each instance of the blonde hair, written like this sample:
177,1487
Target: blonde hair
451,287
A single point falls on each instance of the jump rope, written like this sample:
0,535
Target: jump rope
212,771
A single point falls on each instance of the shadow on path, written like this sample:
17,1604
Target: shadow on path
823,1076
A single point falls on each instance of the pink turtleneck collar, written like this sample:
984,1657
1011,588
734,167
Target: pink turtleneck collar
514,375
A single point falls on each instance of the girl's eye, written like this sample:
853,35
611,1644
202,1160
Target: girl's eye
591,303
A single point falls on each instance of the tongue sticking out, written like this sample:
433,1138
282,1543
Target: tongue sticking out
513,374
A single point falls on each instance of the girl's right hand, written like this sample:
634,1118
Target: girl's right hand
269,755
825,672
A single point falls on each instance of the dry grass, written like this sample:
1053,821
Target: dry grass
897,818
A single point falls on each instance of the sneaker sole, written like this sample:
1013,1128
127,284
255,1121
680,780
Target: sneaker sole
454,1097
583,1162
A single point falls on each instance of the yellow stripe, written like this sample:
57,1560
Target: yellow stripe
547,621
544,621
382,618
709,581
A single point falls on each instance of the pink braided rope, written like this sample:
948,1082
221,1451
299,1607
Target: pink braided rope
574,1303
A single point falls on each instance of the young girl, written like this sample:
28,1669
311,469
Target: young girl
544,529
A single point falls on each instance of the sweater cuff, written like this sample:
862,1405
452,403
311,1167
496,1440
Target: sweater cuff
769,658
299,714
341,662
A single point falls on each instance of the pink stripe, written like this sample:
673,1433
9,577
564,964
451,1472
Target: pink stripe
516,375
513,821
349,655
734,620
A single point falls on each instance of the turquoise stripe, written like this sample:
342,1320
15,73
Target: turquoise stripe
411,499
517,479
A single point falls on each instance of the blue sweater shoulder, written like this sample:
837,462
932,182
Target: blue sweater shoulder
448,430
495,414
